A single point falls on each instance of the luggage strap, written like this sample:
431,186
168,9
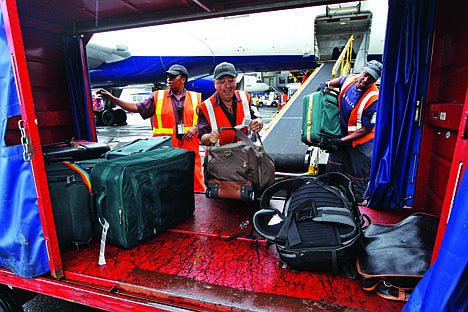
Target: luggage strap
308,210
241,135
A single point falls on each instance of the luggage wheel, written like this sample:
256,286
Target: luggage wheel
211,190
247,193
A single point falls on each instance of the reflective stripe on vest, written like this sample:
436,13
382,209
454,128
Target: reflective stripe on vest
362,106
355,118
194,97
211,114
245,104
159,105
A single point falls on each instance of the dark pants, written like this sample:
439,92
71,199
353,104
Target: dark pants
355,163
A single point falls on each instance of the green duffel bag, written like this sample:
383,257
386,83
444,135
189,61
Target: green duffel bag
143,194
320,117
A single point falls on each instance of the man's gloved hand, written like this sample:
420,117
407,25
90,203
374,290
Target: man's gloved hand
330,145
323,86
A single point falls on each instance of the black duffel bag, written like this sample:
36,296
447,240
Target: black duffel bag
320,227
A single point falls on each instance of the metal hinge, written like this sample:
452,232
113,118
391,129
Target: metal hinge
25,142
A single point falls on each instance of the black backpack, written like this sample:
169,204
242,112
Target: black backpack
320,227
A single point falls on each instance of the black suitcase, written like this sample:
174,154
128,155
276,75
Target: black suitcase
142,194
73,151
139,145
72,201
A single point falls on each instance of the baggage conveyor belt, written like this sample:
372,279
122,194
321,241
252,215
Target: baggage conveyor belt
282,138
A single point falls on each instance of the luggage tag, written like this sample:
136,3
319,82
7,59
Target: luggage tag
105,227
246,122
180,130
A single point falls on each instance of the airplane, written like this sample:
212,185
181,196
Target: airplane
98,54
205,85
287,40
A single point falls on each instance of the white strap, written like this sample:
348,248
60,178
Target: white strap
245,104
211,114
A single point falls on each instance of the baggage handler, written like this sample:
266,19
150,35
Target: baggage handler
227,107
174,112
352,153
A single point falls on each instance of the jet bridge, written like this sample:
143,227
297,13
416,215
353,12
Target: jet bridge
282,137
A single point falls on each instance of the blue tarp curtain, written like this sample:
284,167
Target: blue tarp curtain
22,247
77,89
445,286
404,79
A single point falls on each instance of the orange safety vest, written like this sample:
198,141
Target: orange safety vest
218,119
164,124
370,96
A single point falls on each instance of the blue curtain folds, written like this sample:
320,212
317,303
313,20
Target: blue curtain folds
77,89
404,79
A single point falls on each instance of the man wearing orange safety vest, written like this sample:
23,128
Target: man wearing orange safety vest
227,107
174,113
352,153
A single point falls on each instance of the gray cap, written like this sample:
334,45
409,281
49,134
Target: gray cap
177,69
374,68
223,69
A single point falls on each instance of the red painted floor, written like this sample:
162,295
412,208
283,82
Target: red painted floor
194,260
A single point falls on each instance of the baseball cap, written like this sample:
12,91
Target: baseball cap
177,69
374,68
223,69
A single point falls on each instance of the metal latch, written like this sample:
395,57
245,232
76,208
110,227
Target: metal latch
25,142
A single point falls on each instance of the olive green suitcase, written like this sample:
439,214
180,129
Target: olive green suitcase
142,194
320,117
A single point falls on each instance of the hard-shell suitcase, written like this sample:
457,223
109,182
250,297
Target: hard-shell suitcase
320,117
239,170
139,145
142,194
72,201
73,151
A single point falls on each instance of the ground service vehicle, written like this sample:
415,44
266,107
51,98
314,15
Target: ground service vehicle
419,159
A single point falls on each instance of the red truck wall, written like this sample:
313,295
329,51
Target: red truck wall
43,49
448,83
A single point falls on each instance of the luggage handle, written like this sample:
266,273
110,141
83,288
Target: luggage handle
241,135
331,90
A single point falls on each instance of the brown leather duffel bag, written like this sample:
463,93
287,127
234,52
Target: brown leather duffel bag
240,170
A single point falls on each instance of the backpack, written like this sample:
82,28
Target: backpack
320,226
